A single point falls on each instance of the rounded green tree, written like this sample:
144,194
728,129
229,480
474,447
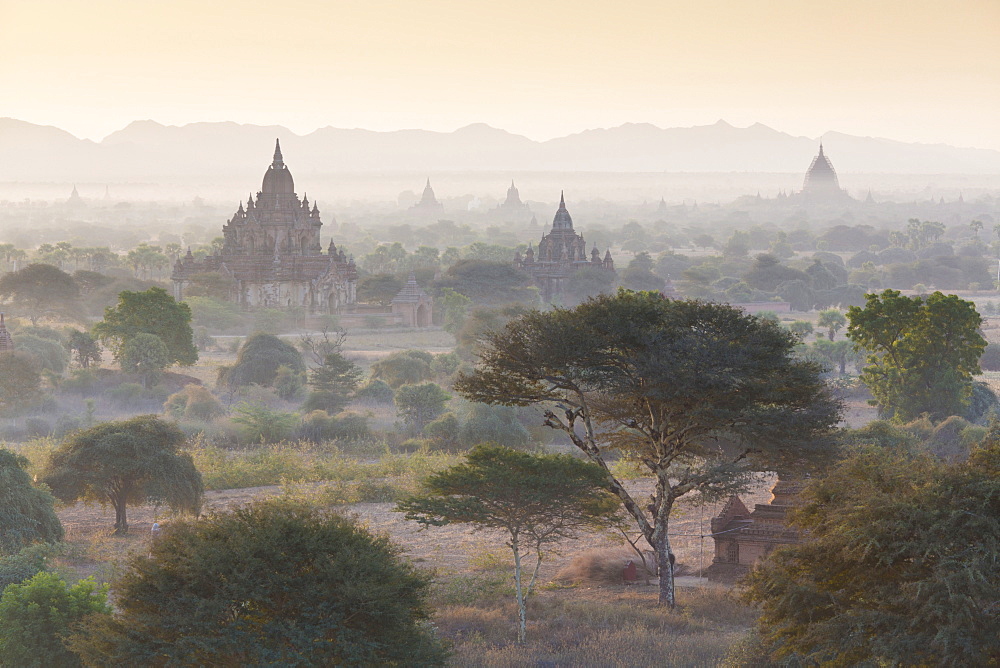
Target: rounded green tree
150,312
274,583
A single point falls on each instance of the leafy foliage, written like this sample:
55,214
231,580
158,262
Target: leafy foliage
26,513
125,462
20,382
406,367
40,290
898,565
85,348
150,312
258,361
260,424
145,355
193,402
699,393
269,584
493,424
536,500
419,404
922,354
37,614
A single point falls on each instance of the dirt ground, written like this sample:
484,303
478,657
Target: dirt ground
94,550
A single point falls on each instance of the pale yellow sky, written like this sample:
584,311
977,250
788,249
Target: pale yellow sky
914,70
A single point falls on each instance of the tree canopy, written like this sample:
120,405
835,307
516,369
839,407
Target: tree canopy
26,512
404,367
40,290
20,382
922,353
258,361
417,405
150,312
36,615
145,355
536,500
273,583
125,462
700,394
897,565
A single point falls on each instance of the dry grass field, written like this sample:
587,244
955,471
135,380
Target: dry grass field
593,622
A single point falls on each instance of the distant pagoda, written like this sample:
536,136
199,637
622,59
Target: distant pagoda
428,202
560,253
821,182
271,251
513,202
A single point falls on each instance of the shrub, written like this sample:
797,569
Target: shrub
263,425
35,616
493,424
350,427
405,367
443,430
193,402
258,361
376,390
24,564
26,512
325,400
604,567
275,583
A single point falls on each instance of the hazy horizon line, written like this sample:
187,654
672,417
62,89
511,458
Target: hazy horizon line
720,121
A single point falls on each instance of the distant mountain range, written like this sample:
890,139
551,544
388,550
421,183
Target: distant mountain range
146,151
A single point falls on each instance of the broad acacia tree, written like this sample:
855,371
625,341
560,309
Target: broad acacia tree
40,290
536,500
700,394
922,353
126,462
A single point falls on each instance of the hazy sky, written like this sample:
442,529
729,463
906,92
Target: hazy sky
915,70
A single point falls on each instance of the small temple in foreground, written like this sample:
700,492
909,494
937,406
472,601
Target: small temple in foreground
6,340
561,252
742,536
272,252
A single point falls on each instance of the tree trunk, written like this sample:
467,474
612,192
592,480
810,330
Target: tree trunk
522,614
121,519
665,569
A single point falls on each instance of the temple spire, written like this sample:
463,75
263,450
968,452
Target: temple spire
278,160
562,200
821,147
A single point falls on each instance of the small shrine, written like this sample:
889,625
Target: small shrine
742,537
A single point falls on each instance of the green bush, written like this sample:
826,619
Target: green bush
493,424
258,361
263,425
36,615
274,583
406,367
193,402
376,390
24,564
26,511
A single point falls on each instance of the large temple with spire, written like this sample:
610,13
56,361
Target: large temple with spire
272,252
561,252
